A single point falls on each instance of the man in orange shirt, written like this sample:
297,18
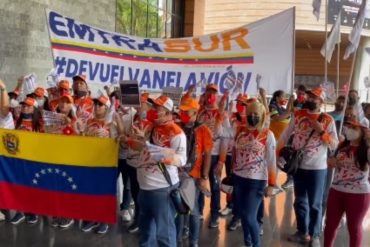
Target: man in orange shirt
199,147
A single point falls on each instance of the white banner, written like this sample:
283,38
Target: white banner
231,59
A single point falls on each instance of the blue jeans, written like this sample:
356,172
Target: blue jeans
157,218
308,191
126,196
134,186
194,222
215,190
249,196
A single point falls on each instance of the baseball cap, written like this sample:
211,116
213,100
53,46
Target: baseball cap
164,101
68,97
242,98
212,86
29,101
82,77
104,100
318,92
189,104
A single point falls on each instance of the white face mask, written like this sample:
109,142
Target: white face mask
351,134
40,102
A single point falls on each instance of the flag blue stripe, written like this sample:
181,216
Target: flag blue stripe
61,178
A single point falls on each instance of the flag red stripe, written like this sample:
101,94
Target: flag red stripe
50,203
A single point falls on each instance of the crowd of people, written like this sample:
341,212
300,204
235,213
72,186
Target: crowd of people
203,136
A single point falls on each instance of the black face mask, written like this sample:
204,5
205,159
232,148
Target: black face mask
309,105
80,94
351,101
253,120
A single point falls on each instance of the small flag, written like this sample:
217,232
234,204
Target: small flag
355,35
316,5
333,39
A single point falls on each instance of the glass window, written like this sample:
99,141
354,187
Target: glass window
150,18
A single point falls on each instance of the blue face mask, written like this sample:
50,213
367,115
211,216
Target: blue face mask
143,115
27,115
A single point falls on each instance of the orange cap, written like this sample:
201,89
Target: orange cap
318,92
82,77
39,92
29,101
242,98
104,100
64,84
68,97
144,97
189,104
212,86
164,101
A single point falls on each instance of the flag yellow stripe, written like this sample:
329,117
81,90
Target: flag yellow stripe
59,149
146,54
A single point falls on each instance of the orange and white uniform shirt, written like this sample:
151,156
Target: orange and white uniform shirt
133,156
348,177
99,128
236,123
255,155
84,110
203,143
316,149
169,136
219,125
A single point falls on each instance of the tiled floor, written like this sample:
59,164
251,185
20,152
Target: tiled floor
279,221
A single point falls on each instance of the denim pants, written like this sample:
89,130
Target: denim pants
308,191
215,190
126,196
134,185
249,196
157,218
194,222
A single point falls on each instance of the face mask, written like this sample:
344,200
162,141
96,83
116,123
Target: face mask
211,99
352,101
240,108
352,134
311,106
184,117
253,120
300,99
80,94
143,115
283,102
152,115
14,103
27,115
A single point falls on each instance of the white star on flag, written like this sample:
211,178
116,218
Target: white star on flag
34,181
70,180
50,170
43,171
37,175
74,187
57,170
64,174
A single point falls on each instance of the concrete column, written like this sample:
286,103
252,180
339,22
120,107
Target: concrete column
362,69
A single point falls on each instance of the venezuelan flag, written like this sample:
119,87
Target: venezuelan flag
56,175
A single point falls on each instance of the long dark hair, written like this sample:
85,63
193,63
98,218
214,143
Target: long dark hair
36,120
361,155
275,95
